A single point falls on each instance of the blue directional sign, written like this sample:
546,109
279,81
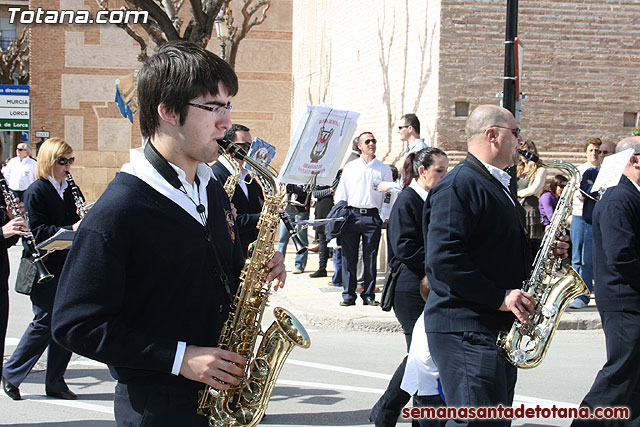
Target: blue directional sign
14,107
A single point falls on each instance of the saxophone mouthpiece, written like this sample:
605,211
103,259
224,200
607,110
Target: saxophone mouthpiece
529,155
233,149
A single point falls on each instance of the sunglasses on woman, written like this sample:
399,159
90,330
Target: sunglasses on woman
63,161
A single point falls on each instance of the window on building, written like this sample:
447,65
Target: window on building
629,119
462,109
7,32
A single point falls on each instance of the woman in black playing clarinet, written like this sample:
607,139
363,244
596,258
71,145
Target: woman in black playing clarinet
50,206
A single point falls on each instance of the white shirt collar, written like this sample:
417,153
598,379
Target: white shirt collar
141,168
59,188
499,174
418,189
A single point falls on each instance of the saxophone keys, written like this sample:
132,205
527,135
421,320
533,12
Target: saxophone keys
518,356
260,368
549,312
244,416
542,331
251,392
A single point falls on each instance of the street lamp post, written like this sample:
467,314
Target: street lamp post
509,94
222,31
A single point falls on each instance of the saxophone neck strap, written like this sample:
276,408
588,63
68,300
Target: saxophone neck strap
162,166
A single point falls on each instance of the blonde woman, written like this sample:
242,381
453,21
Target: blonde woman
531,180
51,206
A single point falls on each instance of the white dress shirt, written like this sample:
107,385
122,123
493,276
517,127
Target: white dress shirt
578,202
501,176
59,187
358,182
141,168
20,174
420,374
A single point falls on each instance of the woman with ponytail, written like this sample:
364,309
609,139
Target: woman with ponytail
421,171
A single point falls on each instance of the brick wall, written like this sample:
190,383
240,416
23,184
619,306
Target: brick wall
73,73
581,68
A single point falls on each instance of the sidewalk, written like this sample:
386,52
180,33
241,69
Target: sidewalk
315,303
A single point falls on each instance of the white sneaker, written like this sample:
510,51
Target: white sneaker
578,304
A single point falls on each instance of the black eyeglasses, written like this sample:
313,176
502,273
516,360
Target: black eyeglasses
515,132
22,149
218,109
370,141
562,185
63,160
402,127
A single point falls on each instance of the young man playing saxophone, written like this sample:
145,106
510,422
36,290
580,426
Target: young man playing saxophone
154,266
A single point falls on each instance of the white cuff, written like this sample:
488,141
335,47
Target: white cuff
177,361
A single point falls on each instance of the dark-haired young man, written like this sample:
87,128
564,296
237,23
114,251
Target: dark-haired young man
148,282
247,197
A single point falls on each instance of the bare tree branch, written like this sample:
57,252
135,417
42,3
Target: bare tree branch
384,58
254,13
14,60
165,24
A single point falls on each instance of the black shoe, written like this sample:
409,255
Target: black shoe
319,273
370,301
65,395
11,390
347,303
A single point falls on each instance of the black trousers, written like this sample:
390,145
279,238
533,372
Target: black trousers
618,382
407,307
473,372
35,341
366,227
4,318
158,405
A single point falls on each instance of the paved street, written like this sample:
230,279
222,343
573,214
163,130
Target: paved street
334,383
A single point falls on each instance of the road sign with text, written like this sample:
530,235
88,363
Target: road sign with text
14,107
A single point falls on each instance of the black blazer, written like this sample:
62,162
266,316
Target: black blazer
405,243
476,249
616,248
48,213
248,208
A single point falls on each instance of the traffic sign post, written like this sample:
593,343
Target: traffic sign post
15,106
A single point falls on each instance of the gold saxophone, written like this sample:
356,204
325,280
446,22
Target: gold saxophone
245,404
233,179
552,285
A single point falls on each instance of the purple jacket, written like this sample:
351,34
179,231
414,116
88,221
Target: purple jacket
547,204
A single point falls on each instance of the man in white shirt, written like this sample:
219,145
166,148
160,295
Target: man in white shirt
20,172
359,189
581,232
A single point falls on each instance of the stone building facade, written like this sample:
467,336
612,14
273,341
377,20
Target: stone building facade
441,58
381,58
73,74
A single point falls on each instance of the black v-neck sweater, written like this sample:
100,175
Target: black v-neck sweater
141,276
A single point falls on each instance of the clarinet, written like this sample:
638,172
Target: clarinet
42,273
78,198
